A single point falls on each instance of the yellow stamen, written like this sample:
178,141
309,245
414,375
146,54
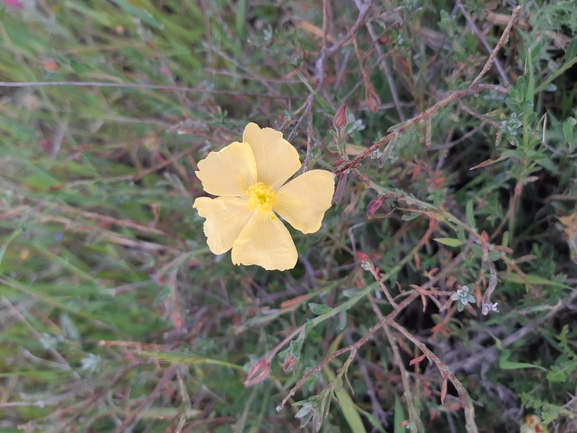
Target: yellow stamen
261,197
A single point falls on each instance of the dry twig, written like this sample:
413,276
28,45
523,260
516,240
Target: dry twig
474,89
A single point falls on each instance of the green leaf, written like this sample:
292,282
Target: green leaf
505,239
530,93
35,374
324,104
139,13
373,420
568,129
568,126
347,406
470,215
318,309
168,412
556,375
505,364
410,216
342,320
187,359
548,164
450,242
521,88
303,411
307,327
79,68
532,279
399,416
240,17
571,51
68,327
477,250
306,419
493,256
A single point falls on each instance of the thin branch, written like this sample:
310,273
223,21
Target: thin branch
306,106
351,348
309,115
140,86
378,411
62,363
459,140
453,96
184,101
504,37
491,352
446,373
407,393
480,36
384,67
320,63
473,89
168,374
385,321
230,59
371,96
482,118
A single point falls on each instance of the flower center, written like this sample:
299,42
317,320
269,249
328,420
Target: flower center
261,197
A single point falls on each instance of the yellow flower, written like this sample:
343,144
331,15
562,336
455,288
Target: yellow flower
249,180
533,424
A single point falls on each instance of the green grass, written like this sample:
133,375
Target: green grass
114,314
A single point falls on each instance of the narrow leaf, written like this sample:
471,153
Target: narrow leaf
399,416
450,242
567,128
322,102
145,16
318,309
534,279
417,360
470,215
488,162
342,320
411,216
505,364
186,359
443,391
347,406
571,52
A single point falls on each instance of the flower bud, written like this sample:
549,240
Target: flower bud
340,119
290,363
366,263
259,371
374,205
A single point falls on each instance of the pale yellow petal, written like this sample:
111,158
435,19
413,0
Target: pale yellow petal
276,159
304,200
228,172
226,217
266,242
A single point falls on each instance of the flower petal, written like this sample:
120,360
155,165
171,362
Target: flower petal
266,242
226,217
276,159
303,201
228,172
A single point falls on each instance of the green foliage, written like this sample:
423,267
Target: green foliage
566,365
561,376
463,298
